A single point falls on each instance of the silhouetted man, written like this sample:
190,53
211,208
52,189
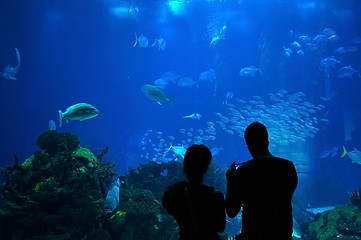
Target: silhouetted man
198,209
264,187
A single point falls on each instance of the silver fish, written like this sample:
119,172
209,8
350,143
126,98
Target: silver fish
248,71
79,111
156,94
142,41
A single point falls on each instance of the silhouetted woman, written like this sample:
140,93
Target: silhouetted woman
198,208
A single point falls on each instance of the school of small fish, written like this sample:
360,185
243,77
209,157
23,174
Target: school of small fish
288,117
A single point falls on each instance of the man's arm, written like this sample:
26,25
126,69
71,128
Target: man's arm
233,201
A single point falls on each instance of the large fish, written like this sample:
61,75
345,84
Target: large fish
156,94
355,155
112,199
79,111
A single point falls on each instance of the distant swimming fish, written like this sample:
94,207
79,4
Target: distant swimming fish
10,72
287,51
160,42
329,62
142,41
333,38
170,76
248,71
160,83
79,111
186,82
194,116
156,94
347,72
328,32
221,35
304,38
328,153
209,75
52,125
112,199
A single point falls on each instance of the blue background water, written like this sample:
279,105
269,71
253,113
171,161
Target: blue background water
82,51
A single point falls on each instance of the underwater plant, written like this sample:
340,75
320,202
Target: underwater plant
355,197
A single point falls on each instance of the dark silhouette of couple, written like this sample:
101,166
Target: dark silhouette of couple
262,186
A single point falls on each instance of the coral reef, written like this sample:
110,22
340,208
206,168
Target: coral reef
55,194
343,222
59,192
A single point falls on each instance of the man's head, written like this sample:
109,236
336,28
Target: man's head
256,137
196,161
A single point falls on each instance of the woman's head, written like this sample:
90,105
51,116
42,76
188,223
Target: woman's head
196,162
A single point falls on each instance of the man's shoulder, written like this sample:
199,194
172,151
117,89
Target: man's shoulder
264,162
284,161
176,187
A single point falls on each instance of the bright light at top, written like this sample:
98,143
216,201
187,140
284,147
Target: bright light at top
177,7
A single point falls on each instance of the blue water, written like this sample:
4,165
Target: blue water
82,51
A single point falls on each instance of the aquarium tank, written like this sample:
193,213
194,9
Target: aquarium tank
101,98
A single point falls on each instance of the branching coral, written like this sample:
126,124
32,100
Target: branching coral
355,197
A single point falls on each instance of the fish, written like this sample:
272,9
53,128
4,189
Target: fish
186,82
347,72
79,111
179,152
320,38
328,32
327,153
248,71
142,41
300,53
295,45
10,72
112,199
329,62
304,38
133,10
333,38
209,75
355,155
160,42
194,116
160,83
170,76
156,94
287,51
221,35
52,125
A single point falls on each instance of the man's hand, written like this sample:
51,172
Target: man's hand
231,172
